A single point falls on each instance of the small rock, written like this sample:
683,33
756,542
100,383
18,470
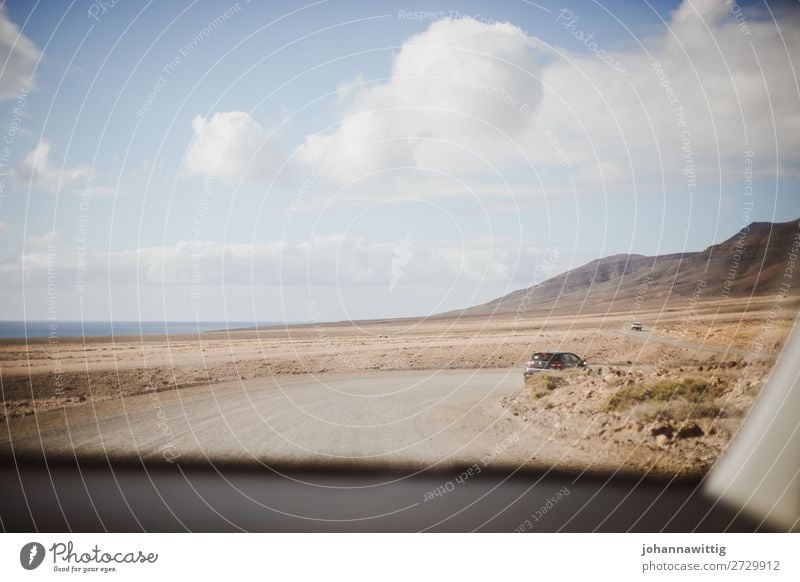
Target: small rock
662,441
610,379
732,364
690,430
81,398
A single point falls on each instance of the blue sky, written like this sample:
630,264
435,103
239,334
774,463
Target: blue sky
329,160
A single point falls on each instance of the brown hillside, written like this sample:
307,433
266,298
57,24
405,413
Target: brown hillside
752,262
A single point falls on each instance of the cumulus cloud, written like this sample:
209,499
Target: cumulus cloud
680,105
326,261
35,170
18,55
232,146
471,103
429,98
714,83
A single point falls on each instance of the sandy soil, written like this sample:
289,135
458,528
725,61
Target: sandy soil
69,372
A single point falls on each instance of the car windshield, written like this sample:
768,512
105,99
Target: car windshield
370,240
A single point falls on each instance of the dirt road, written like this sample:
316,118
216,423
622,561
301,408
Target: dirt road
430,417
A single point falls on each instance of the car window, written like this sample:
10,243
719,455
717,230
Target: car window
281,318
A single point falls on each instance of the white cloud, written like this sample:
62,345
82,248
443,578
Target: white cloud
709,81
346,89
464,90
231,146
47,239
18,55
325,261
429,98
35,170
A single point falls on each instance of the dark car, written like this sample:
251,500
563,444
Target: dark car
553,361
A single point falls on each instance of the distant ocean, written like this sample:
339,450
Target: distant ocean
34,329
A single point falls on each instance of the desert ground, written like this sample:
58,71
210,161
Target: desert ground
417,392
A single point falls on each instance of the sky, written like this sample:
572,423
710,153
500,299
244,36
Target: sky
291,161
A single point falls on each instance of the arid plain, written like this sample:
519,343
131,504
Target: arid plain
666,400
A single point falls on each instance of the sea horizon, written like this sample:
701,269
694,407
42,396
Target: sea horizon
32,329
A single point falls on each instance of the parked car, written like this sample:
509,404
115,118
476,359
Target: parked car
540,361
636,326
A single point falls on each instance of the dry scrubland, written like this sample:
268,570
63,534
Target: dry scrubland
661,421
656,404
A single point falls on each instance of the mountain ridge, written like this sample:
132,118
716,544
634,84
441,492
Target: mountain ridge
754,261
